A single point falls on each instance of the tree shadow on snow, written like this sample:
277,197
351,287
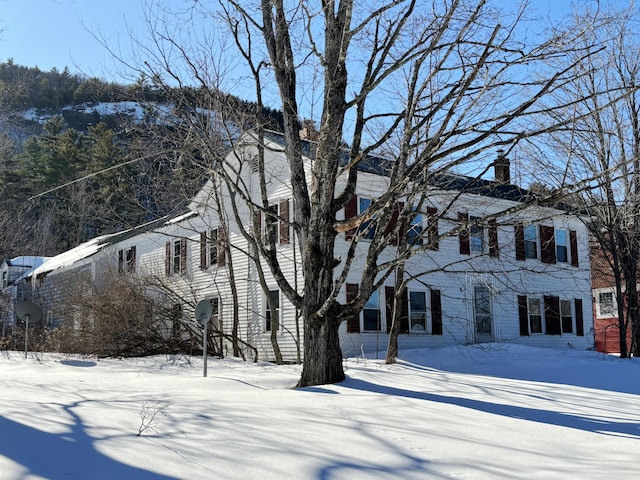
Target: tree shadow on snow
69,455
79,363
587,369
594,425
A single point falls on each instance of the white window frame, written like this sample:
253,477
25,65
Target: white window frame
176,257
562,246
267,310
212,248
372,305
427,318
366,229
563,315
271,225
215,316
531,313
416,230
476,236
531,242
612,311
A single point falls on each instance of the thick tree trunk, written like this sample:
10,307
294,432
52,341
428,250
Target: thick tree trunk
322,343
633,315
322,353
622,319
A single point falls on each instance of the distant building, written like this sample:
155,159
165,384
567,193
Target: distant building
605,305
13,286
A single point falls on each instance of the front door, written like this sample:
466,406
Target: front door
482,314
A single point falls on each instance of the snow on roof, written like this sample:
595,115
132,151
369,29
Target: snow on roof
93,246
179,218
69,257
25,261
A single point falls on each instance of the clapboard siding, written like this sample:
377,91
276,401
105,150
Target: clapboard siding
445,267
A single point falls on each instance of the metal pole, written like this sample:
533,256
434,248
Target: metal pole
221,337
205,336
26,335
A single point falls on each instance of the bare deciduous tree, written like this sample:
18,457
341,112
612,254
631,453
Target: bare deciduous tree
605,145
435,85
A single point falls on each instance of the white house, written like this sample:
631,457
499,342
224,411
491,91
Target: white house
496,267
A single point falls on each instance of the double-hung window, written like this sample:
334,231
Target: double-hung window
371,313
562,248
531,241
566,316
127,260
418,312
272,310
212,248
414,233
271,225
176,257
476,236
606,304
535,315
367,228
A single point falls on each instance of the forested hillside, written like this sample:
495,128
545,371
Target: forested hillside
73,166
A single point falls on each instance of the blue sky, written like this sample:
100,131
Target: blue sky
59,33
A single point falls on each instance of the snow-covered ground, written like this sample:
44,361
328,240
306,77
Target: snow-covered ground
492,412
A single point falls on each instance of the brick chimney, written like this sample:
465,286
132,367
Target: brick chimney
502,168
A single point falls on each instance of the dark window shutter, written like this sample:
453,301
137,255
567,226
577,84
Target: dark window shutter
395,215
167,259
183,256
432,229
120,261
389,296
404,312
552,314
523,313
350,211
436,312
579,318
221,247
519,234
132,267
547,244
463,236
203,250
573,244
493,238
284,221
353,323
257,228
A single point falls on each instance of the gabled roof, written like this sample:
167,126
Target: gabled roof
445,181
95,245
24,261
